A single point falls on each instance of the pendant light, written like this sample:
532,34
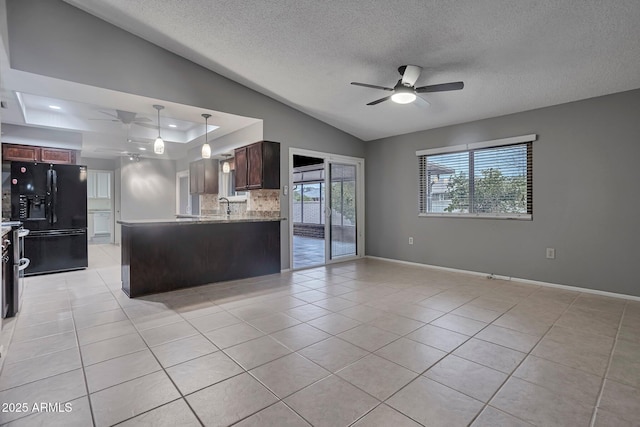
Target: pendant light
226,168
158,145
206,148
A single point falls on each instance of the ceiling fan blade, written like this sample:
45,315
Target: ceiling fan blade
372,86
441,87
138,141
144,125
410,74
105,120
141,119
421,102
110,115
108,150
378,101
126,117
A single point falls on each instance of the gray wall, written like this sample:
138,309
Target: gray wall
147,189
55,39
98,164
585,199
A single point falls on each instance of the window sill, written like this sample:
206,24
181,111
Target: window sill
521,217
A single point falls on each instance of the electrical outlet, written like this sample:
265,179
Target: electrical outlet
411,240
551,253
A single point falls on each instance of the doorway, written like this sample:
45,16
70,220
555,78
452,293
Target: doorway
326,208
183,199
100,206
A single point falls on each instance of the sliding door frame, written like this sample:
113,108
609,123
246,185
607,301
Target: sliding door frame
360,190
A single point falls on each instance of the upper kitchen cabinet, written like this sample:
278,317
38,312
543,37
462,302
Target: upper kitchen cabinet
241,168
98,185
20,153
30,153
258,166
203,177
57,155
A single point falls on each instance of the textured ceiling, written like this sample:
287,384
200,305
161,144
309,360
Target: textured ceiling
512,55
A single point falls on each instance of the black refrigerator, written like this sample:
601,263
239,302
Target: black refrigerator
51,201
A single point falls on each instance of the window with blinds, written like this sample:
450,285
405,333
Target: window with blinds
478,180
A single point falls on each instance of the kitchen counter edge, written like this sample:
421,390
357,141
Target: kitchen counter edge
201,220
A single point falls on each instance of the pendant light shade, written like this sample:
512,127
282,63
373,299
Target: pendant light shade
226,167
206,151
206,148
158,145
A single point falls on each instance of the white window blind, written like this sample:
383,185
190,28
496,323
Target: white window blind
481,181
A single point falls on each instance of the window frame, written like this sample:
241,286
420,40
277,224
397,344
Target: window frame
469,148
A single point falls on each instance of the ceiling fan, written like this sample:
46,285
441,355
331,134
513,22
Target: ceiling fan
127,118
405,92
119,153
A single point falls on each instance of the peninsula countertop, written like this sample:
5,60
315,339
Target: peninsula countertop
169,254
201,219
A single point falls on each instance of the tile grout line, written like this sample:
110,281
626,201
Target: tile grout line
606,372
336,336
281,400
182,397
222,351
510,375
84,373
404,336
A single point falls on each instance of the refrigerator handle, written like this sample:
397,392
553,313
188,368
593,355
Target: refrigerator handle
54,196
49,196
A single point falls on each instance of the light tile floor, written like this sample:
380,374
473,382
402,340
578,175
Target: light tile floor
365,343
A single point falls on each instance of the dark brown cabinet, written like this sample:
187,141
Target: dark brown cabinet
57,155
258,166
203,177
20,153
240,160
30,153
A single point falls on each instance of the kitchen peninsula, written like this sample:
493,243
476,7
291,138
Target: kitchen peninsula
170,254
166,255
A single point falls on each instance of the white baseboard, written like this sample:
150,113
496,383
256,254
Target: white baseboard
514,279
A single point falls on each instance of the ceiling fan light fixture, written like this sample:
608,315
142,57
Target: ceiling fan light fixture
158,145
206,148
403,95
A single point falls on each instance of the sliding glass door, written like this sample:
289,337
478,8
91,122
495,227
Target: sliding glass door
343,211
327,208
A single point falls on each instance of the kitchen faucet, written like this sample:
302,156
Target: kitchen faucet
222,199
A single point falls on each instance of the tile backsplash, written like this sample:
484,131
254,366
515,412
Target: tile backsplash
210,205
263,201
258,202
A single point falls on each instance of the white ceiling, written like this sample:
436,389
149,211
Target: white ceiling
88,122
512,55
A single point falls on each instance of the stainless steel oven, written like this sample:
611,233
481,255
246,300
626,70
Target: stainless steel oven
17,262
